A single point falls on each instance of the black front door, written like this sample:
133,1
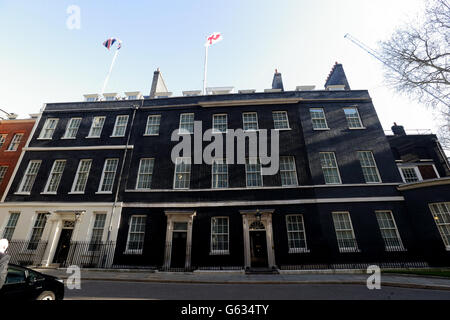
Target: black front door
179,240
62,250
258,249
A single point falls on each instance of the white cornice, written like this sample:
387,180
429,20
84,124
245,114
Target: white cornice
87,148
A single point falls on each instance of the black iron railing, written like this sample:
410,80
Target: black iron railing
86,254
26,253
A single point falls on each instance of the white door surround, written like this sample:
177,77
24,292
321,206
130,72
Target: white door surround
264,216
178,216
55,223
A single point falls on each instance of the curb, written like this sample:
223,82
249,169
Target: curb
311,282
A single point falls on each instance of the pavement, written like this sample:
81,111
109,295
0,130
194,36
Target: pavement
237,277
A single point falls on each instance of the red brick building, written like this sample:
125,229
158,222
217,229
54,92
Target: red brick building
13,137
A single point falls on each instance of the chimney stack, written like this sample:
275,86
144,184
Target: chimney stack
277,82
398,130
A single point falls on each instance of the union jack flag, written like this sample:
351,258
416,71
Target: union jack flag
109,43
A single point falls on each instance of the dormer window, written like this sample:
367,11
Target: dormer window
135,95
111,96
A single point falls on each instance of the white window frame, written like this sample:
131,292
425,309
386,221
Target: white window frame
416,170
34,227
439,225
139,174
387,247
135,251
148,125
96,228
361,125
22,183
224,162
287,120
337,168
50,176
294,171
15,142
3,172
244,122
96,127
324,118
72,129
10,228
375,166
345,249
45,129
3,137
214,129
248,160
215,251
291,249
77,177
102,180
180,160
185,131
116,126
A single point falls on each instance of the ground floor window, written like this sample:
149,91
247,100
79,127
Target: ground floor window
389,231
97,231
296,234
36,232
220,236
136,234
11,225
441,214
344,232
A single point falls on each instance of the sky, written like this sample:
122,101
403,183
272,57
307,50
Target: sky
44,61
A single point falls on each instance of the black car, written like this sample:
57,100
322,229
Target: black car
26,284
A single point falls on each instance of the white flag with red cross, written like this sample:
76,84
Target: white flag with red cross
214,38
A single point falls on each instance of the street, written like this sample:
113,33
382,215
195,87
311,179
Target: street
106,290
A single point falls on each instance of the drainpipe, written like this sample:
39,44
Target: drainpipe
116,197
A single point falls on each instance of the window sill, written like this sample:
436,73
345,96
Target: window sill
349,250
298,251
73,192
396,249
150,135
220,253
285,129
362,128
133,252
117,136
103,192
181,188
92,137
64,138
44,139
49,193
250,131
10,150
323,129
22,193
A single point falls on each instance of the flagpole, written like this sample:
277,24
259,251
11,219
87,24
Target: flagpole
109,72
206,70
